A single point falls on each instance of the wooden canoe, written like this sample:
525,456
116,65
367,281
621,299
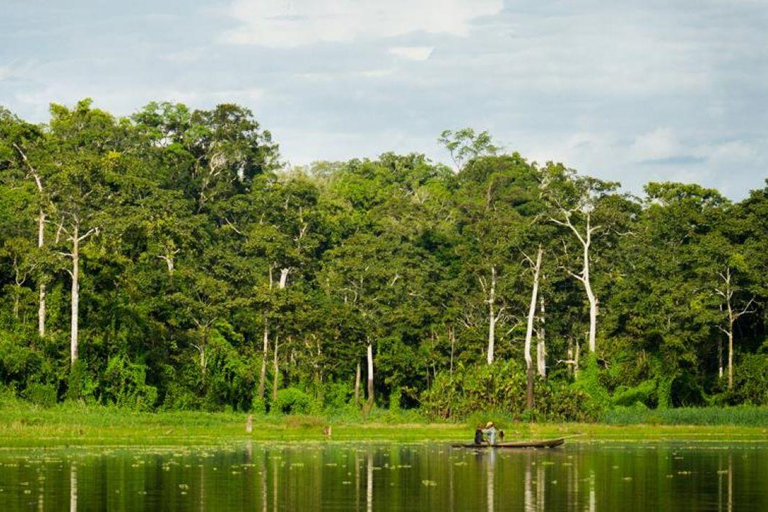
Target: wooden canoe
546,443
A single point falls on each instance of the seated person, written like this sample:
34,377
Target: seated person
479,439
490,432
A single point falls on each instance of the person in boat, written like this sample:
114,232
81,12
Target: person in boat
490,433
479,439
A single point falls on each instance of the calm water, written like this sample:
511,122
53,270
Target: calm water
337,476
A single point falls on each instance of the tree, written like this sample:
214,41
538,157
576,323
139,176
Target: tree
465,145
84,147
576,201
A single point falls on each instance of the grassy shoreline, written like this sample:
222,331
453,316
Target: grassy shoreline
76,425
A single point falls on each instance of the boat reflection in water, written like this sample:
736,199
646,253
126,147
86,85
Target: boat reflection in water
424,476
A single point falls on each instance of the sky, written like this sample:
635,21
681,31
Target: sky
626,90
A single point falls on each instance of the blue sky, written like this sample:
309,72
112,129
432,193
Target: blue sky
628,90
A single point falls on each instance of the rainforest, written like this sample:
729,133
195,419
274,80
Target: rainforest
172,260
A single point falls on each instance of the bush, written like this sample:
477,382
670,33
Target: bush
750,382
589,383
293,401
500,390
394,400
80,385
44,395
258,405
747,416
644,393
124,385
337,397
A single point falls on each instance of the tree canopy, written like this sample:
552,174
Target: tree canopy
181,265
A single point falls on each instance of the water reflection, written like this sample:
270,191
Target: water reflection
276,477
73,487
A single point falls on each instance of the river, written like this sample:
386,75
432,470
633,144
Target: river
358,476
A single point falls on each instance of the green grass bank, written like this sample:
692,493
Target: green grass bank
75,424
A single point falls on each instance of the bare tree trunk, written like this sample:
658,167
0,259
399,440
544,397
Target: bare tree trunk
529,329
40,238
452,337
590,295
492,318
541,348
576,362
730,356
719,357
41,284
357,386
584,277
727,292
203,359
283,277
75,294
369,354
275,372
264,354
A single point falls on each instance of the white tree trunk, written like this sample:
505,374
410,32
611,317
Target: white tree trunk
541,348
357,384
275,371
726,292
75,294
283,277
529,330
369,357
41,285
452,338
492,316
40,238
590,294
584,277
264,354
532,310
730,356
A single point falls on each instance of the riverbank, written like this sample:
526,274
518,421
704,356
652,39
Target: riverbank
78,425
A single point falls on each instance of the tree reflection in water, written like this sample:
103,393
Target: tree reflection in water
388,477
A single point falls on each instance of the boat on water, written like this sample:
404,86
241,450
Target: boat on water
545,443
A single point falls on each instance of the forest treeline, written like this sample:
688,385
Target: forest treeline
169,260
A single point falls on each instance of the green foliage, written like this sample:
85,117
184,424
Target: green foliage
124,384
644,394
193,252
501,389
293,401
750,382
589,382
338,396
80,383
741,415
44,395
395,396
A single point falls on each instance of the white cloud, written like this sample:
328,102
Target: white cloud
658,144
287,24
16,70
186,56
412,52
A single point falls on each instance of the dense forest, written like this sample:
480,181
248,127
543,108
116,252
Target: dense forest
170,260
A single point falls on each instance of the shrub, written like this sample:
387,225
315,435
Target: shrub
258,405
293,401
337,397
44,395
394,400
124,385
644,393
80,385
